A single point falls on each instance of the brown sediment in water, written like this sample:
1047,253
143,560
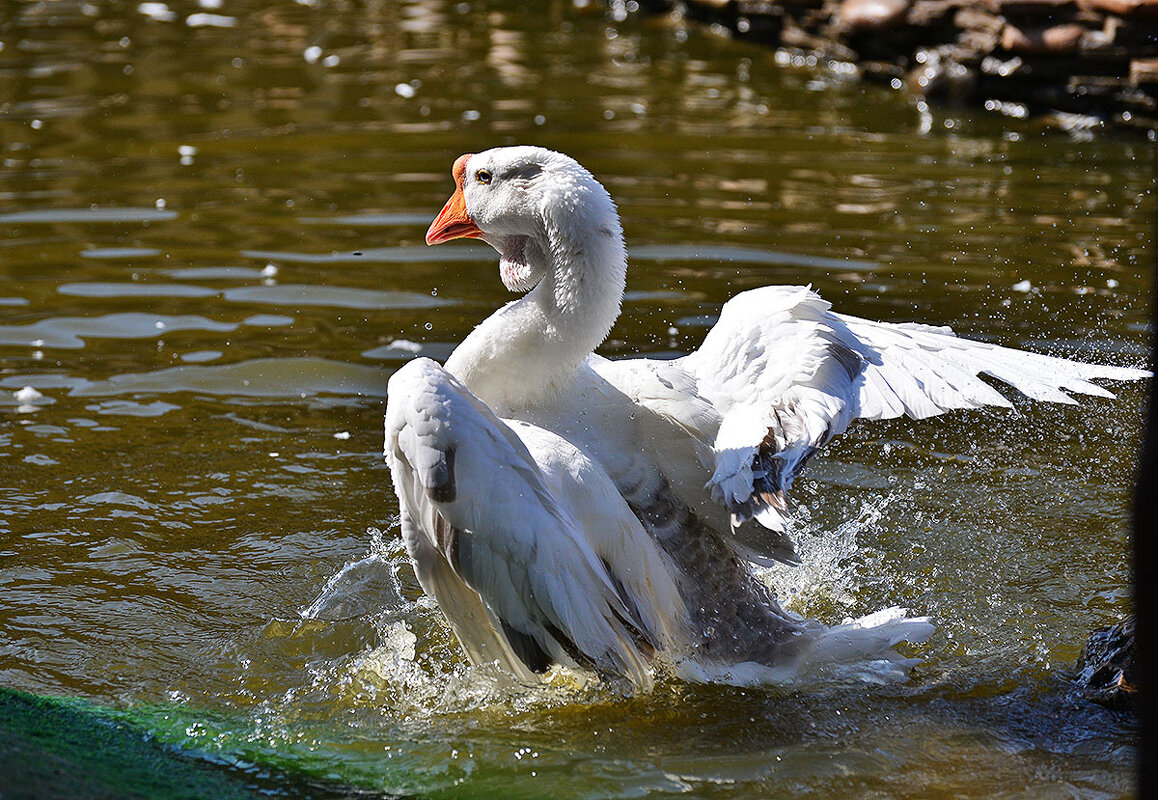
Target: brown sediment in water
1083,63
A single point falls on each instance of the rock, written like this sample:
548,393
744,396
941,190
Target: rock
926,13
1144,71
1122,8
860,16
1062,38
1106,666
1029,8
1056,39
1076,59
975,18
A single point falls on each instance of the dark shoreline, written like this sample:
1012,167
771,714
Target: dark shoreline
1085,63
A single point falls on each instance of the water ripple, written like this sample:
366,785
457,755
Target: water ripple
293,295
87,215
114,289
261,377
404,350
744,255
70,332
414,254
129,408
371,220
112,253
214,273
118,499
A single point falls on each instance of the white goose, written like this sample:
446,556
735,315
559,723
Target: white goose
563,508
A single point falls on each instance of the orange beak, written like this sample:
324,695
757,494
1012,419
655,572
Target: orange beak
453,222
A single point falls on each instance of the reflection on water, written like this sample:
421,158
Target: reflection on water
211,259
265,377
382,255
71,332
88,215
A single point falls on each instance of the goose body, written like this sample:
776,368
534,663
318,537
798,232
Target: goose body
564,508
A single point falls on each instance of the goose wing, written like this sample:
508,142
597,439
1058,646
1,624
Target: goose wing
780,375
497,536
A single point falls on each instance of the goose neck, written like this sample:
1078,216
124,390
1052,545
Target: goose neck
527,352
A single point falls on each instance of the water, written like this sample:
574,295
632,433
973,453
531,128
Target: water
211,260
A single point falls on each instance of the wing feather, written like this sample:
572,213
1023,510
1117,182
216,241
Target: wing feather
780,375
513,532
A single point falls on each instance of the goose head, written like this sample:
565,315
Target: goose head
539,209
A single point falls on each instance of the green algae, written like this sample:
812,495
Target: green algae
55,747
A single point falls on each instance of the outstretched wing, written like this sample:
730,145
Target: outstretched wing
920,371
494,542
780,374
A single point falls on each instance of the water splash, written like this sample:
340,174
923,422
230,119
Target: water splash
831,561
415,669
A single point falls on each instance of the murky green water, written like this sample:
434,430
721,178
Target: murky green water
210,262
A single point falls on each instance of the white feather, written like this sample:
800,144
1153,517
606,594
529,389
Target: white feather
541,536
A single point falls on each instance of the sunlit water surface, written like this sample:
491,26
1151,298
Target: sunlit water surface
211,260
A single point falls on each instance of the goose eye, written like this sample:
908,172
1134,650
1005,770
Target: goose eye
483,176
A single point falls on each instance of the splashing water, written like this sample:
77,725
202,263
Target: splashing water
832,562
415,668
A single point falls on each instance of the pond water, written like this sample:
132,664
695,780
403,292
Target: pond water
211,260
